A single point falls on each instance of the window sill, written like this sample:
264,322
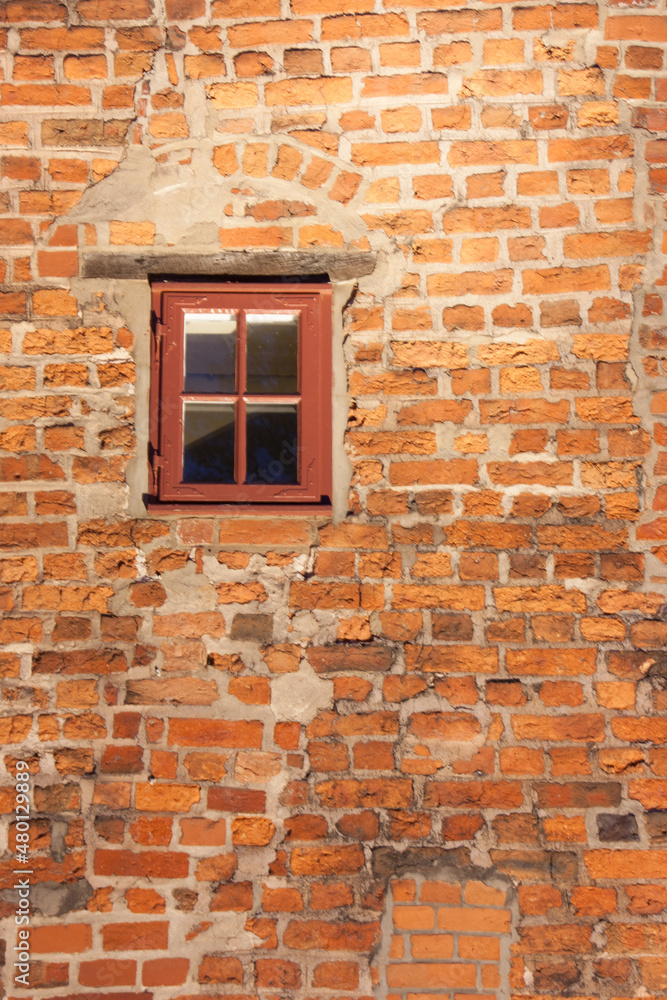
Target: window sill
160,509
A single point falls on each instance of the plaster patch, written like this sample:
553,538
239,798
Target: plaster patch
228,933
255,861
104,500
185,594
299,697
320,626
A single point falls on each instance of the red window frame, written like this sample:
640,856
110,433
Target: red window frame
171,302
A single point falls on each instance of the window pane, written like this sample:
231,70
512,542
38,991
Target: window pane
271,352
210,352
272,443
208,442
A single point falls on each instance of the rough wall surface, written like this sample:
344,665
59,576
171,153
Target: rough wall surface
248,735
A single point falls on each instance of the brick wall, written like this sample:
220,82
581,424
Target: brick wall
251,738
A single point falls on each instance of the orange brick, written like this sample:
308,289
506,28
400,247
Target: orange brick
414,917
479,919
392,153
431,975
433,946
477,947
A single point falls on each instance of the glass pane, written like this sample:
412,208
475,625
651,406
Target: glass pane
272,443
210,352
271,352
208,442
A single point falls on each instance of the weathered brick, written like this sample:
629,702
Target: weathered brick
497,439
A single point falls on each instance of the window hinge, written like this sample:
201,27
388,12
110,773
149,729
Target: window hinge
157,464
158,348
157,303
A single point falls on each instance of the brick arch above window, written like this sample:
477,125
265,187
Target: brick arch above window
222,201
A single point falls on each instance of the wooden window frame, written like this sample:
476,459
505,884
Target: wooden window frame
171,300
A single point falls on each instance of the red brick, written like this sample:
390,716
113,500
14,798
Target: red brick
458,794
165,971
215,969
155,864
336,975
214,732
276,973
108,972
320,934
146,936
70,938
557,939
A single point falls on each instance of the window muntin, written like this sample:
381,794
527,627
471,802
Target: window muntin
241,393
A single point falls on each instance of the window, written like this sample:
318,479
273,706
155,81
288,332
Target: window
241,393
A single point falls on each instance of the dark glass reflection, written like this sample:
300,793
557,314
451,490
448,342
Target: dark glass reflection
208,442
271,353
210,352
272,443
